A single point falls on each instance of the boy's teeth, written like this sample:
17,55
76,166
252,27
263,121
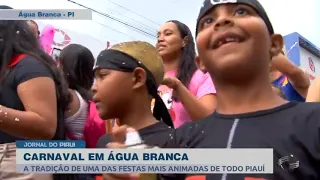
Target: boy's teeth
229,39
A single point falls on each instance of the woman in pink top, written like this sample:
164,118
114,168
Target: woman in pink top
188,92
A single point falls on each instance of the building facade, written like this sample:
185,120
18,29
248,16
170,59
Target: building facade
303,53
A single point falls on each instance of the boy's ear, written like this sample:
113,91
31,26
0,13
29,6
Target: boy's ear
139,78
200,64
276,44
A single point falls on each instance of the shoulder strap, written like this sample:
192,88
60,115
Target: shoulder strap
16,59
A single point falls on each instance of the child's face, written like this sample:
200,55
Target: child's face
112,91
233,39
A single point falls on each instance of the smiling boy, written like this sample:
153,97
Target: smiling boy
236,43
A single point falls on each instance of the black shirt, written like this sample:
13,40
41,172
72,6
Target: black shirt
158,135
154,135
290,129
28,68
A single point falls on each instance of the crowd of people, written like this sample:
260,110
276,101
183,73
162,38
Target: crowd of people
239,91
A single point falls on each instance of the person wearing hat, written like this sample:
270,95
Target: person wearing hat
127,77
236,43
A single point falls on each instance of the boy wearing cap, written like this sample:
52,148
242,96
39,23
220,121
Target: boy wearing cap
236,43
127,77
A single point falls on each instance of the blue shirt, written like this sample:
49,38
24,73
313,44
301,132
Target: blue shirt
284,84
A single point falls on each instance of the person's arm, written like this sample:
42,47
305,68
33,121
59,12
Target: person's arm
314,91
196,108
297,77
37,93
199,106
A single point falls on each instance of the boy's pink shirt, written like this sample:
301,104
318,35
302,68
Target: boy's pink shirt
200,85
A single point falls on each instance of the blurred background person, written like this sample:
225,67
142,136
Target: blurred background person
188,92
76,62
33,96
292,80
34,28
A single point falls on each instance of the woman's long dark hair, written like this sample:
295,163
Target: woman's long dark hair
16,37
77,63
187,63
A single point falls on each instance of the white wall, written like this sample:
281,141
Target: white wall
304,62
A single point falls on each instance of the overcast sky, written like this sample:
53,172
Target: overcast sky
286,15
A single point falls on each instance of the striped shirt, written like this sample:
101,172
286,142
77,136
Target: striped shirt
75,124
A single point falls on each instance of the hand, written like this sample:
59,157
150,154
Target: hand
279,61
171,82
118,137
272,68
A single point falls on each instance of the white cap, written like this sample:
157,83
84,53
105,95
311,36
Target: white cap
133,138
